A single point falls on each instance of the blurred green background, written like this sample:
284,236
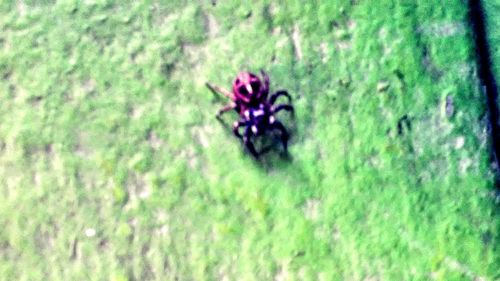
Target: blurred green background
113,167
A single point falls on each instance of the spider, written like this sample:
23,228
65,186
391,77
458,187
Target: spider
257,112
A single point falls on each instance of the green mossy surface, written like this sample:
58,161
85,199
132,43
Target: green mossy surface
492,8
113,167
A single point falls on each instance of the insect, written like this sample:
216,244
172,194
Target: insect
250,99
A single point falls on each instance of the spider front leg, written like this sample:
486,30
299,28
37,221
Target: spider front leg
219,90
275,96
226,108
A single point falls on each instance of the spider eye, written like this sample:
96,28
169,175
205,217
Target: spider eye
237,81
243,90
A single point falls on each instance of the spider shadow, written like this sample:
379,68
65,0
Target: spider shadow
269,147
272,150
223,123
272,153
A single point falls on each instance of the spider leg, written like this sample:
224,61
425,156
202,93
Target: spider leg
248,143
245,137
274,96
219,90
236,128
284,133
226,108
287,107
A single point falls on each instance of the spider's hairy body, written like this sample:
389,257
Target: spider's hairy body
249,97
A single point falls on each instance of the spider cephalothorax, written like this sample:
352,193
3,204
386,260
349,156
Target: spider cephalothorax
247,87
248,91
257,111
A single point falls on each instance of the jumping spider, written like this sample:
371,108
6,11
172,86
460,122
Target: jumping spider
257,111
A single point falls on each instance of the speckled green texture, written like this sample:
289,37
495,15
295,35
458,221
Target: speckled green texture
492,10
113,167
